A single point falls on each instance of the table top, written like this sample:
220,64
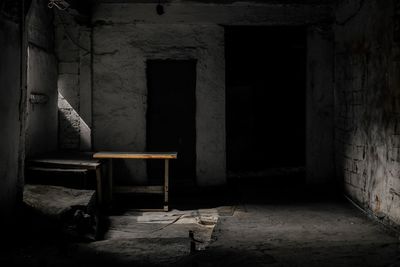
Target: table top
135,155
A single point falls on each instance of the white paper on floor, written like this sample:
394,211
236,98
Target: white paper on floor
173,224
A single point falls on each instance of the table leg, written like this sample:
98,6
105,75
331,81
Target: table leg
99,186
110,182
166,184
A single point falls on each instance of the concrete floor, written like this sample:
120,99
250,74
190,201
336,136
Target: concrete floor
295,232
306,234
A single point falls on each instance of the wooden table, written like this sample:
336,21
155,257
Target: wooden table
163,189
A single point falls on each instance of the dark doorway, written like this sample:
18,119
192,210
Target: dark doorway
171,124
265,98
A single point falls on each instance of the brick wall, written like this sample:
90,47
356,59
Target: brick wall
367,106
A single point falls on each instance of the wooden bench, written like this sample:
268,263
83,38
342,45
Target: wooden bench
162,189
70,164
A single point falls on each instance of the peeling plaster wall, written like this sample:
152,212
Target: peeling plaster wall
126,35
41,135
10,94
367,104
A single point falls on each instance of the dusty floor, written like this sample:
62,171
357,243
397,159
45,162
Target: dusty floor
295,232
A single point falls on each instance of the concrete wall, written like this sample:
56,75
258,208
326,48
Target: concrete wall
41,135
73,46
367,104
11,121
126,35
319,113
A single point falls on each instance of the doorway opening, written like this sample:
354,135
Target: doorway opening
171,123
265,100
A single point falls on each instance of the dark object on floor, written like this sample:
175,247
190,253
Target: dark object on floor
73,210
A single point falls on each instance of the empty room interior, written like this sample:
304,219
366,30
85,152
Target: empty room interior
200,133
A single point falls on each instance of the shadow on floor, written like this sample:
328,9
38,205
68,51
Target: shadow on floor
262,222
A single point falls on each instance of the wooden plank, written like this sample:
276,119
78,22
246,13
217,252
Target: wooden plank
85,164
135,155
139,189
43,169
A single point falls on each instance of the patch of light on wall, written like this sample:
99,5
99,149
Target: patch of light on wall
85,131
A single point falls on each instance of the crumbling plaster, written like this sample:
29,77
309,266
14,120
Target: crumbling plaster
367,107
126,35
